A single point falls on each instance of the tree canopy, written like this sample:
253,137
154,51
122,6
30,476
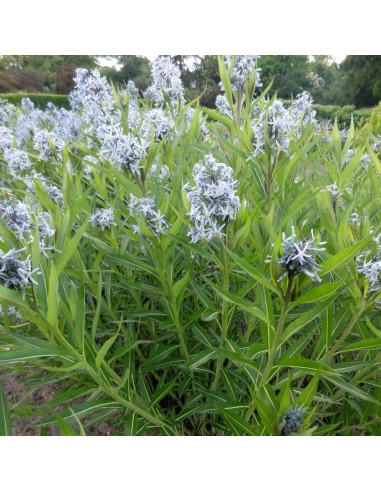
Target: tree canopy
362,79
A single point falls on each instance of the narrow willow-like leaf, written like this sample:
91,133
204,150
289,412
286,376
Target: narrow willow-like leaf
341,258
237,423
104,349
317,293
253,272
5,416
69,249
13,356
306,396
201,358
305,365
371,344
304,319
245,305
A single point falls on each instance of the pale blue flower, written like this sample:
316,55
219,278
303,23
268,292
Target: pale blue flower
213,199
293,419
299,256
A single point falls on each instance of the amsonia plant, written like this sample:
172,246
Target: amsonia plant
177,270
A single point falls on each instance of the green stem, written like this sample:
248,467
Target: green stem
277,337
180,329
106,388
268,186
274,346
239,102
114,394
225,286
224,312
171,299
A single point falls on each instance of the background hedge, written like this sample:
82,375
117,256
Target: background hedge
40,100
342,113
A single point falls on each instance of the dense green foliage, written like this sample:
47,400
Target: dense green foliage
342,114
370,126
162,335
362,79
355,82
135,68
41,73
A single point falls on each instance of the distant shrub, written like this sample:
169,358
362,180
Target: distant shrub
342,113
370,127
39,100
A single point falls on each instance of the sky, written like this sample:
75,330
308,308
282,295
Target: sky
338,58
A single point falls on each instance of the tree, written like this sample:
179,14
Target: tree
362,80
44,73
203,79
6,80
135,68
325,80
289,73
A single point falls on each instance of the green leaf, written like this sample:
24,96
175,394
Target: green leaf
104,349
210,314
206,301
284,396
15,299
53,299
239,360
306,365
31,341
79,326
245,305
180,285
65,428
375,159
265,303
162,391
5,416
340,259
201,335
268,417
229,384
306,396
306,318
69,249
253,272
237,423
14,356
193,247
161,354
201,358
129,261
131,428
219,117
317,293
351,389
188,412
370,344
80,411
225,81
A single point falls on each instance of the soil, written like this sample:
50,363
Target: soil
15,389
